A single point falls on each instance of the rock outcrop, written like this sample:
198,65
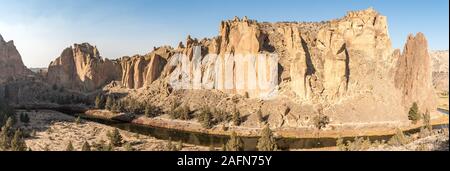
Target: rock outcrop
139,71
440,61
11,65
413,75
82,68
345,67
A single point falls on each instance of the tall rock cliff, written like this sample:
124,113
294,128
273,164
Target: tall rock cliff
82,68
11,65
413,75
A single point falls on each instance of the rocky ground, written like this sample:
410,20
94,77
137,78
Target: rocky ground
55,130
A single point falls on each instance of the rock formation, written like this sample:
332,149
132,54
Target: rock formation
440,70
11,65
139,71
345,68
82,68
413,75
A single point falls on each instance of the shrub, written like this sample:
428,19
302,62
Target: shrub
86,146
100,102
24,118
236,117
109,103
18,143
235,143
260,116
427,121
205,118
398,139
70,147
413,113
321,121
267,142
115,138
220,116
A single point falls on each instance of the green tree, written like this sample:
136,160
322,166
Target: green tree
413,113
115,138
267,142
24,118
86,146
17,143
235,143
70,147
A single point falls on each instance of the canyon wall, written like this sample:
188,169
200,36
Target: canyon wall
344,67
11,65
82,68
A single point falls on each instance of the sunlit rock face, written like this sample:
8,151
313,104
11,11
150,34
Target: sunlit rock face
82,68
11,65
413,75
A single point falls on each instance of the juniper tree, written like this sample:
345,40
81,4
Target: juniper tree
267,142
70,147
17,143
109,103
86,146
235,143
413,113
236,117
115,138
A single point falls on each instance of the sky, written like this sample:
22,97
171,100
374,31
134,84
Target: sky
41,29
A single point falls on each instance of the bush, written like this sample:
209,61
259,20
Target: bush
260,116
413,113
150,111
86,146
109,103
18,143
267,142
427,121
321,121
236,117
70,147
398,139
100,102
24,118
220,116
115,138
205,118
235,143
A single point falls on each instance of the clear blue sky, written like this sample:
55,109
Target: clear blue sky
41,29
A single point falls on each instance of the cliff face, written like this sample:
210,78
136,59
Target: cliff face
11,65
413,75
81,68
345,67
139,71
440,70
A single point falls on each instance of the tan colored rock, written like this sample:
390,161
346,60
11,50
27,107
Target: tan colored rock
413,76
440,61
82,68
11,65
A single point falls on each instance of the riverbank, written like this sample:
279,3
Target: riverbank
332,130
54,130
